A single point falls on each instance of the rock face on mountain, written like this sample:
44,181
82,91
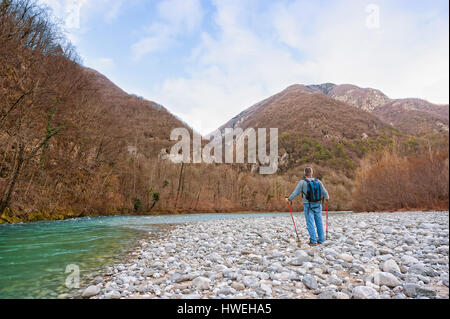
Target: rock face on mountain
364,98
325,88
415,116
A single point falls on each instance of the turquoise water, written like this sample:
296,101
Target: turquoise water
34,256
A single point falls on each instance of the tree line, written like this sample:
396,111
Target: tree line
72,144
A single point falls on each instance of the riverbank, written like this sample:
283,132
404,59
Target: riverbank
376,255
37,258
10,217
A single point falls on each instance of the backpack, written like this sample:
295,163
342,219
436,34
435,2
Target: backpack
314,191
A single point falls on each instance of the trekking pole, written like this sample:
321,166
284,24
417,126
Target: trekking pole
326,229
293,221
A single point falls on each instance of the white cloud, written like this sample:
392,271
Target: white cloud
68,11
181,13
229,72
161,37
408,53
175,17
305,43
72,12
114,9
74,15
103,65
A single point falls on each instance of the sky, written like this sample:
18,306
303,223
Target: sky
208,60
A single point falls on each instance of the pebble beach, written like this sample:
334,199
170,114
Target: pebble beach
367,256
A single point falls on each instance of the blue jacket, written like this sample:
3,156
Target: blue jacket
303,186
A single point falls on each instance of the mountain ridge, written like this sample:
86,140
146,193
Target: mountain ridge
372,101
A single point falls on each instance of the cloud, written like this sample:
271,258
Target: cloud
230,71
406,54
175,17
181,13
114,10
235,53
161,37
67,10
302,42
71,12
104,65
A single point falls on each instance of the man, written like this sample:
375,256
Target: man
313,192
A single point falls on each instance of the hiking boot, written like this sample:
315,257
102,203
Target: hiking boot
313,244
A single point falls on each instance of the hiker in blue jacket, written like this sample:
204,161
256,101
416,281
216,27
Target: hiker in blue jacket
313,192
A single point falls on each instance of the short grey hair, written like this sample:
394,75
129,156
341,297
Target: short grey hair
308,171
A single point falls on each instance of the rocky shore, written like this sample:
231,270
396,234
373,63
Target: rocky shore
367,255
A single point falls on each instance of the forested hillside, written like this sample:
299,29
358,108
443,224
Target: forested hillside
69,138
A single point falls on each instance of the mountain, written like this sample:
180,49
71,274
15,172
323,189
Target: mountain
134,113
415,116
336,125
411,116
305,110
102,151
315,128
129,120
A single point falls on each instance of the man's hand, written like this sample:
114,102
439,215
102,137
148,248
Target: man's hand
286,199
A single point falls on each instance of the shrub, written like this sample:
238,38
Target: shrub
137,204
392,181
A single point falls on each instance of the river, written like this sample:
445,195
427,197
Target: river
34,257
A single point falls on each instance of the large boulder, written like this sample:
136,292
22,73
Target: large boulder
414,290
201,283
409,260
391,266
417,268
364,292
298,261
310,282
346,257
112,295
409,289
90,291
385,279
327,294
425,291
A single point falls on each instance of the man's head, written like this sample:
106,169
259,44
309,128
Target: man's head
308,172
